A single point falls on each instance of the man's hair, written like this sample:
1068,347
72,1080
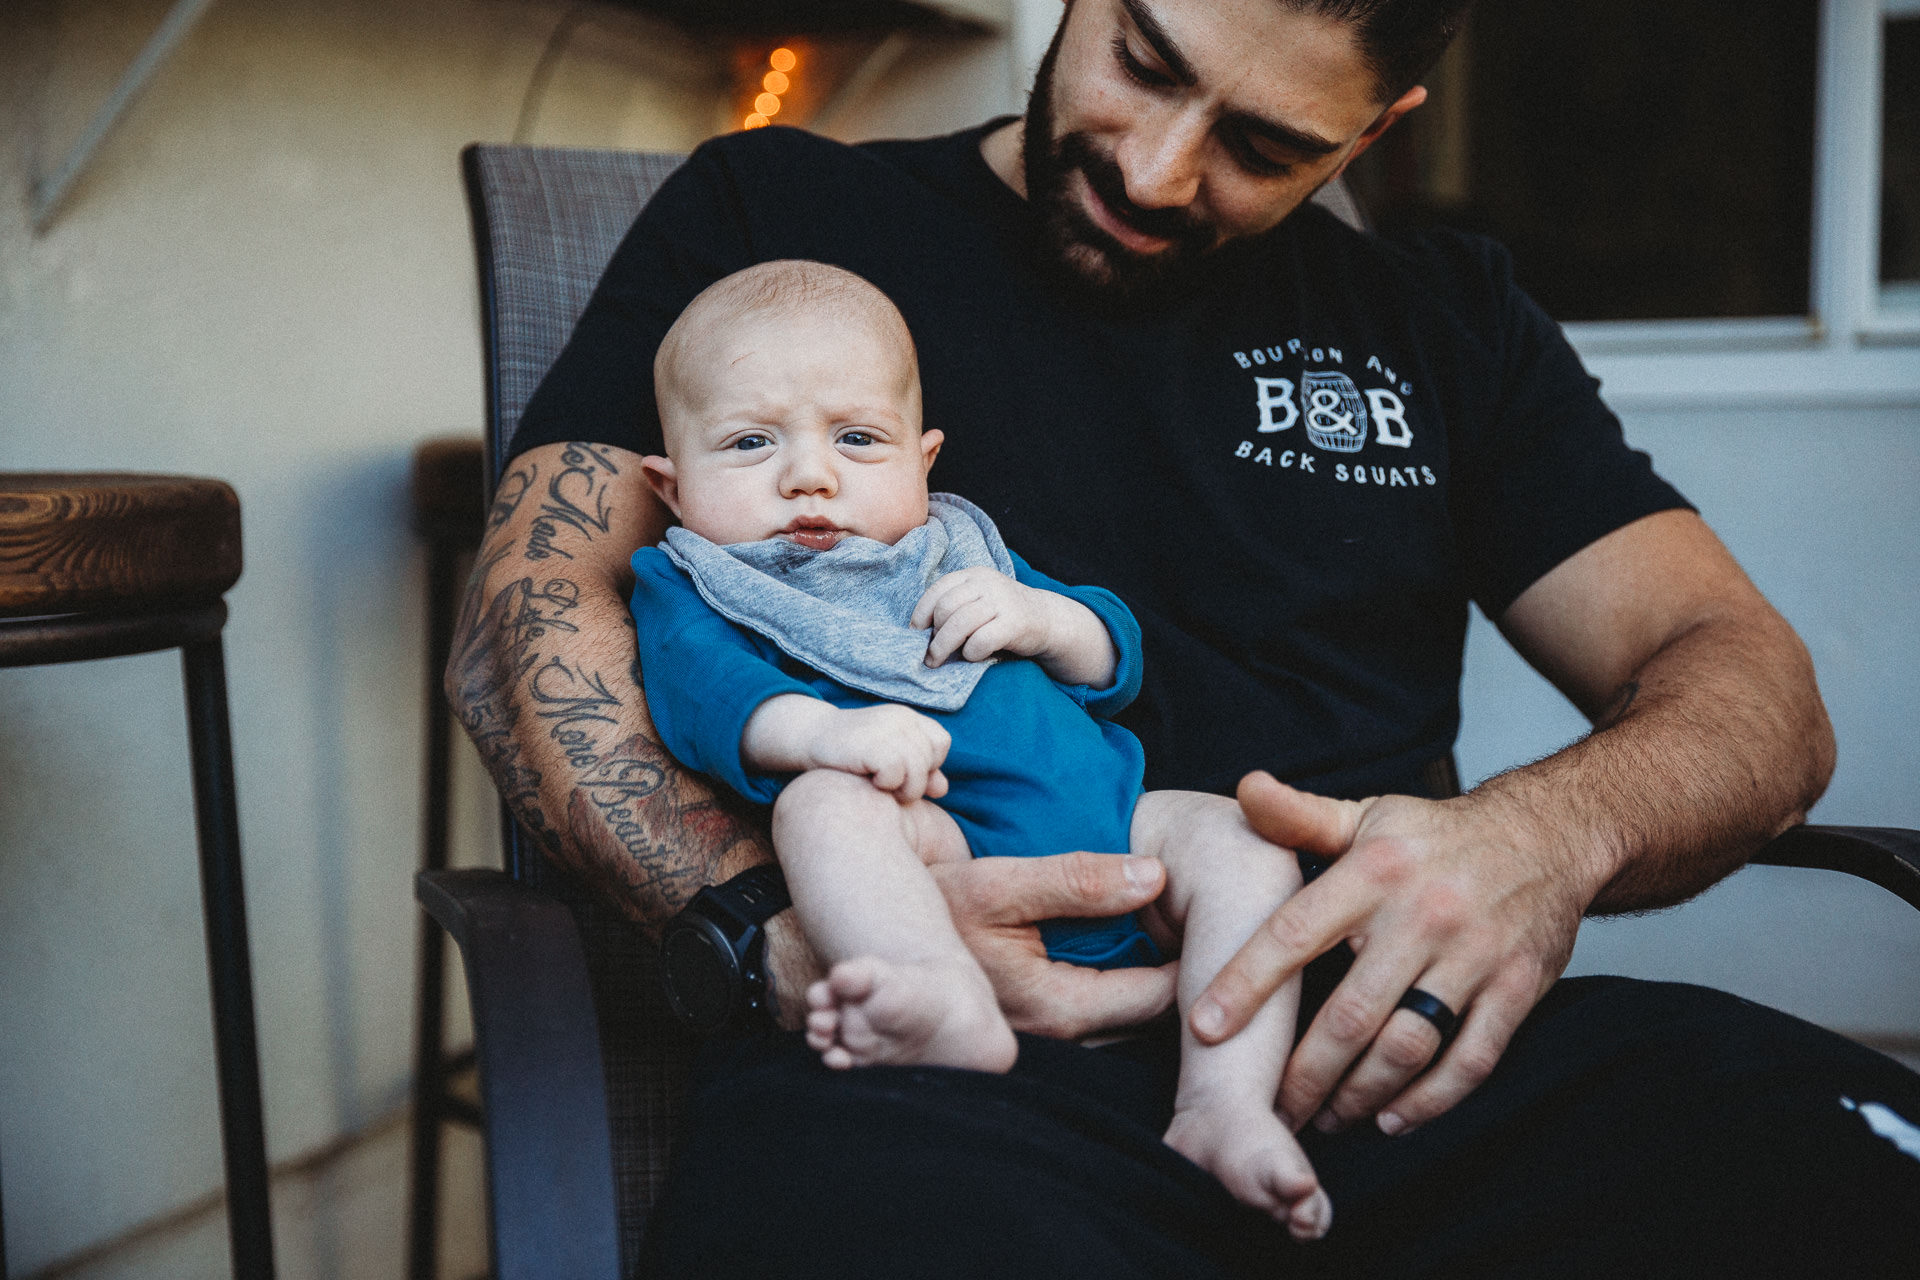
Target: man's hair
783,287
1400,39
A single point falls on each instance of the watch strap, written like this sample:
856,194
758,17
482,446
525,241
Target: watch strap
754,896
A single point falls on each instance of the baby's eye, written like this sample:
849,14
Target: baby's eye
857,438
751,442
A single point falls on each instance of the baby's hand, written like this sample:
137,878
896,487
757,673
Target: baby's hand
980,612
898,748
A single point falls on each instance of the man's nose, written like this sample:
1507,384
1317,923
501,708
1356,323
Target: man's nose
1162,159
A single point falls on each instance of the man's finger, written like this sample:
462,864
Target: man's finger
1298,819
1313,921
1020,891
1468,1061
1345,1028
1406,1046
1067,1001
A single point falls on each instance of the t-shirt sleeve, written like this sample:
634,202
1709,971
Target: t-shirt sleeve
600,388
1122,627
1548,471
702,675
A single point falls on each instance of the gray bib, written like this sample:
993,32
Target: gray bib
845,611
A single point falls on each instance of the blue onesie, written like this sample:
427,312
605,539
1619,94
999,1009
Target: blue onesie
1036,767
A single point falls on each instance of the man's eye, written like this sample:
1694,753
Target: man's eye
1137,71
751,442
1256,155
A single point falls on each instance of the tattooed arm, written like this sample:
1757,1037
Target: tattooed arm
543,678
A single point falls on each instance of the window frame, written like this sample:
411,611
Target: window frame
1853,348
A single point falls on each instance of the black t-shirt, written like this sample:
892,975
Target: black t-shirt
1296,474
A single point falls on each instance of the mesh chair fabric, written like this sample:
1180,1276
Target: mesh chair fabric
547,220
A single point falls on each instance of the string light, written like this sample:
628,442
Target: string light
774,83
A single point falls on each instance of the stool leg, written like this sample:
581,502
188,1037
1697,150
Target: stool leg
429,1045
249,1221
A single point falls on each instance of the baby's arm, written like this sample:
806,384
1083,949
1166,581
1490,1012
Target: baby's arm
977,613
898,749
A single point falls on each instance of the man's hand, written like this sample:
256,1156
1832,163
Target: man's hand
895,747
997,904
1472,906
1709,739
979,612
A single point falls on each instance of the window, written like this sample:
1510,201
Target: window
1721,202
1643,159
1900,158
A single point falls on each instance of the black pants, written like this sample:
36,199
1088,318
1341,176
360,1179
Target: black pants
1633,1129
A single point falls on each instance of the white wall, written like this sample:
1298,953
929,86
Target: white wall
1819,504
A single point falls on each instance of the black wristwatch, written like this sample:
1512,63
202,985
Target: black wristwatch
712,955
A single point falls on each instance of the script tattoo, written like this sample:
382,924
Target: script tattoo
493,651
575,706
506,498
576,499
635,824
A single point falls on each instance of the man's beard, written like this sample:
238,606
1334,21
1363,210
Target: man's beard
1072,243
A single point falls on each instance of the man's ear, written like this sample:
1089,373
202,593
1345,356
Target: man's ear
663,481
1405,103
930,442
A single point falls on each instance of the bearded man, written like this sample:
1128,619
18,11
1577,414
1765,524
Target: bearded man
1297,452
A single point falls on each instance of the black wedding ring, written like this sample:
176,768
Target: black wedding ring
1433,1009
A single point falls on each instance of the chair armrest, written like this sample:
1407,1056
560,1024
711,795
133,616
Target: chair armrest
550,1188
1888,856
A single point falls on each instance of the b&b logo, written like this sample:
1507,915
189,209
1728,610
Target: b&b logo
1337,417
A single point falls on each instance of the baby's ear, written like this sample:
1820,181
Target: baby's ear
930,442
663,480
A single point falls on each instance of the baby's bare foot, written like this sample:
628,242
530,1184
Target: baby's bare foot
1256,1158
870,1011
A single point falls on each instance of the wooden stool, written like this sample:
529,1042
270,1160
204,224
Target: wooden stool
449,509
98,566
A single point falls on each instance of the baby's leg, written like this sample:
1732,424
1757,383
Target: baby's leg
1223,880
901,987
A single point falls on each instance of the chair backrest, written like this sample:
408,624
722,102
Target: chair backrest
546,221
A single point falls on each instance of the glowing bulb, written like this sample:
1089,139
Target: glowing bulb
767,104
782,59
774,82
756,121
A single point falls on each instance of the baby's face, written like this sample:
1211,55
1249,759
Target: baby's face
798,427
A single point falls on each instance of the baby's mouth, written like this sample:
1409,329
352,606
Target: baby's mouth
813,533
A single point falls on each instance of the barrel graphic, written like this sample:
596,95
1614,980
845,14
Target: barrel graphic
1336,415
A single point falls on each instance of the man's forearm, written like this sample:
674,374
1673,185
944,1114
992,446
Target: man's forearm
1715,745
543,679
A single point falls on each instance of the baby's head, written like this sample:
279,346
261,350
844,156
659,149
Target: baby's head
789,397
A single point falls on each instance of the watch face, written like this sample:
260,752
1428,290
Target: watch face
702,979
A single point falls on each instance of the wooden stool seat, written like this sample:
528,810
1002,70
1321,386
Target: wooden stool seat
106,564
114,543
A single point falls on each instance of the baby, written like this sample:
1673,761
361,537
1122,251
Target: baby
822,634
